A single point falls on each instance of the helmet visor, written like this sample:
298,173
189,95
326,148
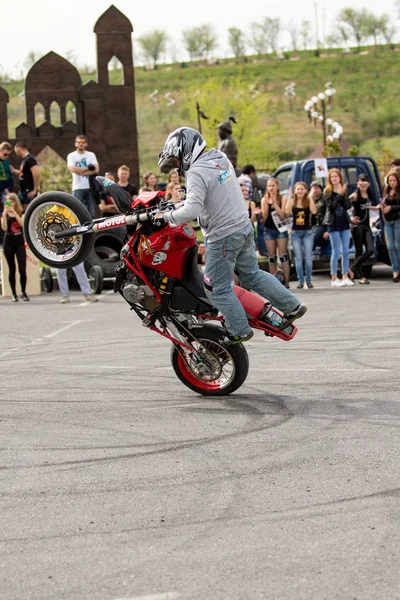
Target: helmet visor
167,163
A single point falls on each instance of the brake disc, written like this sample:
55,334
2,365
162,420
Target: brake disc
54,221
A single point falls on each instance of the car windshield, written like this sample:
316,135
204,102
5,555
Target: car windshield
284,180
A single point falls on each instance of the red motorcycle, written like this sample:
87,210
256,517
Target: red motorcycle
159,278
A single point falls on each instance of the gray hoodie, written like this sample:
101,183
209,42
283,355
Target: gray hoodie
213,197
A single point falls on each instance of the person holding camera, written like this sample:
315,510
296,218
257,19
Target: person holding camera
12,221
83,165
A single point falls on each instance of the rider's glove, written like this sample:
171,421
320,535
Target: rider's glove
159,220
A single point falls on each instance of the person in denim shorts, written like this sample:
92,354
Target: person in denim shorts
273,204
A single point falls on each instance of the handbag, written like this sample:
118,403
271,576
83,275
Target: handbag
327,218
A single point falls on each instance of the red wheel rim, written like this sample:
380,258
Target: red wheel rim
191,377
215,385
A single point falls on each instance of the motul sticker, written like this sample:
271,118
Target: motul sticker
115,222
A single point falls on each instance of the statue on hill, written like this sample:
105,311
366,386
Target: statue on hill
227,144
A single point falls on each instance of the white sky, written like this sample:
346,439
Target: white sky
62,25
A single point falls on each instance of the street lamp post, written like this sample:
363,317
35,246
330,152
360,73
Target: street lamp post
331,130
290,94
322,118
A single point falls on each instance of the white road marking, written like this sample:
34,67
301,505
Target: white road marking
164,406
318,369
68,326
41,340
322,370
166,596
100,367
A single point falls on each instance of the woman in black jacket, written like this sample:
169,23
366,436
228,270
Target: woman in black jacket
361,230
338,223
391,213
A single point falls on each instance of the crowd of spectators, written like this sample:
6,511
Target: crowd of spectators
316,215
303,220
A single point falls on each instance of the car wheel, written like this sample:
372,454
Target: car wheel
47,280
106,252
96,279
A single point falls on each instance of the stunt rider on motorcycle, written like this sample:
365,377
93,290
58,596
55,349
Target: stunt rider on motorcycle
214,197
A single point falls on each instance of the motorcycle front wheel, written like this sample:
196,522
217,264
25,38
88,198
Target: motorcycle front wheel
53,212
218,370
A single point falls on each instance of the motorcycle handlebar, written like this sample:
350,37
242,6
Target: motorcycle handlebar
117,221
134,219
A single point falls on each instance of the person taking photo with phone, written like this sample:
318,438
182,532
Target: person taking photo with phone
12,222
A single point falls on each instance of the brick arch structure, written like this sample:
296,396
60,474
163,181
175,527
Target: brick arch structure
105,113
52,78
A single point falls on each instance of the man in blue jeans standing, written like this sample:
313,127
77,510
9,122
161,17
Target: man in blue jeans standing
215,198
83,164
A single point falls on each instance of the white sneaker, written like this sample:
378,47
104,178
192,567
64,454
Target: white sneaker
338,283
348,281
91,298
64,300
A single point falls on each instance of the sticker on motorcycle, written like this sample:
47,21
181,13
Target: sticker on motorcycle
187,230
158,258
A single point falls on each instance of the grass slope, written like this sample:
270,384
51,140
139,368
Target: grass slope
267,133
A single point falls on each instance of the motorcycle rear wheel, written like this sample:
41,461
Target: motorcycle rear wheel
53,212
231,365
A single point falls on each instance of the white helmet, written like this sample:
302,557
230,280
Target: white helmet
186,145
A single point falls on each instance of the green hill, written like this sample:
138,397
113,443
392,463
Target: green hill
268,133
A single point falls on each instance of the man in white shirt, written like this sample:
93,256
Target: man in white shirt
82,164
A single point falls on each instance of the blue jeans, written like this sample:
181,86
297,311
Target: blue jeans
237,253
392,235
340,242
81,276
87,199
318,231
302,242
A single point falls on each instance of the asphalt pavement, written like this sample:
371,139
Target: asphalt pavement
118,482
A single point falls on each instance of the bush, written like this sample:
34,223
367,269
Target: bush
384,122
354,151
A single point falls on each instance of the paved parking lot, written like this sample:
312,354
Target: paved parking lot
119,482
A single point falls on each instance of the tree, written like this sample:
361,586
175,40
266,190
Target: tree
305,33
332,40
192,44
199,41
31,59
115,63
355,21
272,28
236,40
257,39
372,27
266,35
71,56
293,30
153,45
388,29
344,33
208,39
